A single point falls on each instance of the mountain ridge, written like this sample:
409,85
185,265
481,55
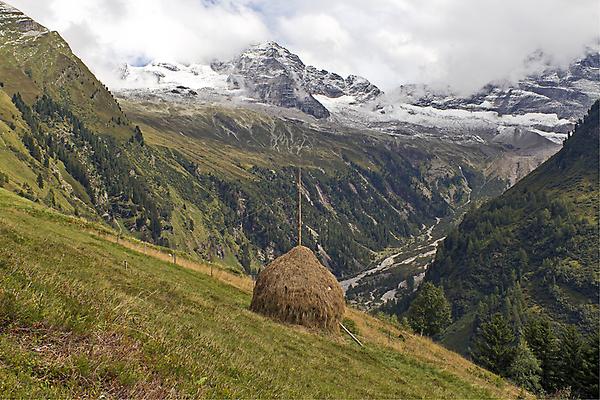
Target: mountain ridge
266,72
26,45
567,91
534,120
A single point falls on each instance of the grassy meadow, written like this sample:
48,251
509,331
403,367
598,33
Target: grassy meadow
83,315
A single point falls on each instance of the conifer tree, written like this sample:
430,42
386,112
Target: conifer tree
573,363
540,336
525,368
138,137
40,181
429,313
494,345
591,389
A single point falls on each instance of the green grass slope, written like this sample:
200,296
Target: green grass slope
35,60
76,322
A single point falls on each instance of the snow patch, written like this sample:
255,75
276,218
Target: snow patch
334,104
162,75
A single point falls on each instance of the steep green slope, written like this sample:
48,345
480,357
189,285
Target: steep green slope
543,233
76,321
532,254
35,61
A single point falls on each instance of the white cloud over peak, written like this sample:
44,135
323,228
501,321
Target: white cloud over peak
108,33
463,43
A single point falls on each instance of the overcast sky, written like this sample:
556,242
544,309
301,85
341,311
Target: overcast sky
460,43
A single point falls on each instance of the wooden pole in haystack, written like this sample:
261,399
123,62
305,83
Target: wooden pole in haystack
296,288
351,335
299,206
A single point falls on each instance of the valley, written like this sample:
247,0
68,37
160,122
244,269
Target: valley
411,261
509,145
255,140
136,219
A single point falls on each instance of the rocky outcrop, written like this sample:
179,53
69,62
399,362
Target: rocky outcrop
567,92
272,74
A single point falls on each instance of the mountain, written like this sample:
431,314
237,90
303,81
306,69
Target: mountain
216,180
267,73
212,172
567,91
36,61
531,117
536,113
269,78
260,103
273,74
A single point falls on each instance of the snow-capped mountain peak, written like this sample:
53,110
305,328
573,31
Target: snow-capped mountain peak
539,109
266,72
273,74
565,91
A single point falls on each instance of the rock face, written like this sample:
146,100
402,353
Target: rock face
274,75
333,85
10,17
271,74
567,92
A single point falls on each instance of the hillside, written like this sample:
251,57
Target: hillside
37,61
364,191
551,216
532,254
84,316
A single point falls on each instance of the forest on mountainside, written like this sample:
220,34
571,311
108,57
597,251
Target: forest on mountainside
521,274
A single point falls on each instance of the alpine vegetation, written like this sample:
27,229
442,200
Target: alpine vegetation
262,201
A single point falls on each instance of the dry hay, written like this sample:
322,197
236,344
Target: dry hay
295,288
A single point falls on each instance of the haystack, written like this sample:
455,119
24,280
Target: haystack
295,288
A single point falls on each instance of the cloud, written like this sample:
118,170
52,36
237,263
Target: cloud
462,44
108,33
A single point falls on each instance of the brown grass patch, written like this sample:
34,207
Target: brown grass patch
91,364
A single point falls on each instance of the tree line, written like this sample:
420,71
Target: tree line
87,157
